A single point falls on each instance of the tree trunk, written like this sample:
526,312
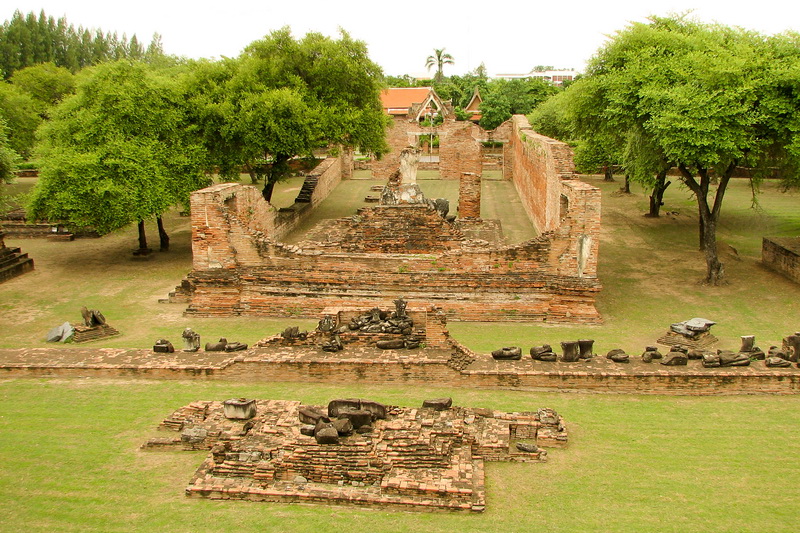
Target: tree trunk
266,192
608,174
714,268
627,187
709,216
657,196
162,235
277,171
702,225
255,179
143,249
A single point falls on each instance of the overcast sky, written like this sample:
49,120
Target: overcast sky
508,37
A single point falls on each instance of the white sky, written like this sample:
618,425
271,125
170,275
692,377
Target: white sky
508,37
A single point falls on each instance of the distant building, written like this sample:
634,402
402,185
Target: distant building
474,106
556,77
415,103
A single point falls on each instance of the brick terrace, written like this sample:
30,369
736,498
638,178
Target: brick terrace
454,367
415,459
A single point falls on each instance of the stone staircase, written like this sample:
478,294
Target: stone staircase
13,262
310,183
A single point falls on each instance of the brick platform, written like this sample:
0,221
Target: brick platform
454,367
414,459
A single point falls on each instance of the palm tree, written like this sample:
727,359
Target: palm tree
439,59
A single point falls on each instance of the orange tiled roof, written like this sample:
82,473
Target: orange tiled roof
397,100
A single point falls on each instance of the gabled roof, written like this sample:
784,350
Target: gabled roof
398,100
414,102
474,105
475,101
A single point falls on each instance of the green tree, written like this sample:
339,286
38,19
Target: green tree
22,116
504,98
46,83
27,40
8,157
284,98
439,59
118,151
705,98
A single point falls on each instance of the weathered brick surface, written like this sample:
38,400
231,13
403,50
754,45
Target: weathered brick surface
469,195
459,149
782,254
455,367
411,458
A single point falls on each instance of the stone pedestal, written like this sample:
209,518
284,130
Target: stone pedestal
239,409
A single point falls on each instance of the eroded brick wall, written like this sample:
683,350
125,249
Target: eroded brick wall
227,218
782,254
459,149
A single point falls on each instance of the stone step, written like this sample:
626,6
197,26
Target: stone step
14,264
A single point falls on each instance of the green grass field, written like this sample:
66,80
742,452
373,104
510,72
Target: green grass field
69,448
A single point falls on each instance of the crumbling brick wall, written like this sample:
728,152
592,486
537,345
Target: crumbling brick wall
226,217
401,229
240,268
782,254
459,149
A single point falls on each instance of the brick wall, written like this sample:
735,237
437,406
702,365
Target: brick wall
459,149
782,254
431,371
227,218
469,195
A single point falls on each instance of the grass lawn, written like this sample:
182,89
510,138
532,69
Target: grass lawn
69,448
71,463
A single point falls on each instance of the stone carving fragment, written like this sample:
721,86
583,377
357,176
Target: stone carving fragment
570,351
239,409
163,346
438,404
512,353
777,362
651,353
92,317
543,353
191,340
618,355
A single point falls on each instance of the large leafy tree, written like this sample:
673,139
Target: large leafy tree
439,59
118,151
22,115
46,83
284,98
8,157
704,98
504,98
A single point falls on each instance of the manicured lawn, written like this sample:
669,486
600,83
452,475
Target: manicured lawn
71,463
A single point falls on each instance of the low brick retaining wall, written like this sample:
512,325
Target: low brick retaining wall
432,367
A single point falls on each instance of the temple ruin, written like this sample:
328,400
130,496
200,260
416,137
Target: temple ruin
406,245
425,459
